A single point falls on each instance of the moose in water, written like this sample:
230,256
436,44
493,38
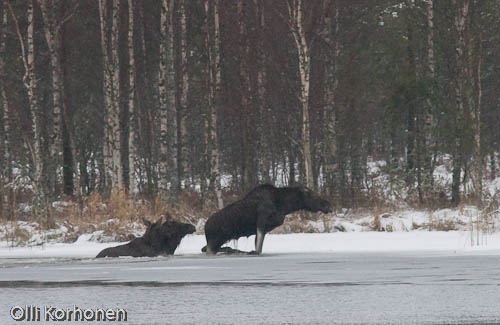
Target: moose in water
160,238
260,211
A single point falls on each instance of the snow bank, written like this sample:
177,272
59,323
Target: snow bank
454,241
357,242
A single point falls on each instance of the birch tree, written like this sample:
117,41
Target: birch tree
297,25
245,93
114,117
331,85
5,121
30,81
112,153
214,80
131,98
53,38
473,94
430,124
262,77
166,90
182,110
477,157
412,126
461,18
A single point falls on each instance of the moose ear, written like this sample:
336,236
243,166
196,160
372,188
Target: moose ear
159,221
146,222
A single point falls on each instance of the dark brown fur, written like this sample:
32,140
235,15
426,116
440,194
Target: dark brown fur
159,239
260,211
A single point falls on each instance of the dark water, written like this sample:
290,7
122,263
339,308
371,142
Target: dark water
271,289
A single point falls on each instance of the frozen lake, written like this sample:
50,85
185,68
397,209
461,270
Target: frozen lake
365,288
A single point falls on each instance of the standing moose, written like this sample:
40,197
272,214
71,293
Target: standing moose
260,211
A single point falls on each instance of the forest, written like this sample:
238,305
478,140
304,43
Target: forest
178,102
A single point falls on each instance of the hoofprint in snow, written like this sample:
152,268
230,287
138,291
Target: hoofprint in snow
415,241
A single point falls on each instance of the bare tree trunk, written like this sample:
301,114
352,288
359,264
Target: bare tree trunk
412,153
429,123
168,107
108,95
114,119
131,98
477,158
112,157
263,131
182,110
244,98
172,106
71,179
168,113
460,52
165,37
331,85
5,126
52,29
41,205
295,11
213,47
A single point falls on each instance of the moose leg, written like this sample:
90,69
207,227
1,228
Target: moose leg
264,213
259,240
213,246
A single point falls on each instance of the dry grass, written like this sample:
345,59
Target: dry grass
117,217
15,235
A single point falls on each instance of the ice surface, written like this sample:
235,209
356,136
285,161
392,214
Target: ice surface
305,288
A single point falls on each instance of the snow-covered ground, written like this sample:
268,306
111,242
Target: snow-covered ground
452,241
463,229
401,229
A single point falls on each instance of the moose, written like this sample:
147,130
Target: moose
260,211
160,238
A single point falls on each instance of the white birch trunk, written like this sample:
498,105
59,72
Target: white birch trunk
330,111
181,141
114,118
112,156
52,36
35,109
167,95
41,208
477,159
217,66
107,148
429,123
163,92
131,98
213,47
245,96
261,93
297,25
460,26
4,132
172,108
431,62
